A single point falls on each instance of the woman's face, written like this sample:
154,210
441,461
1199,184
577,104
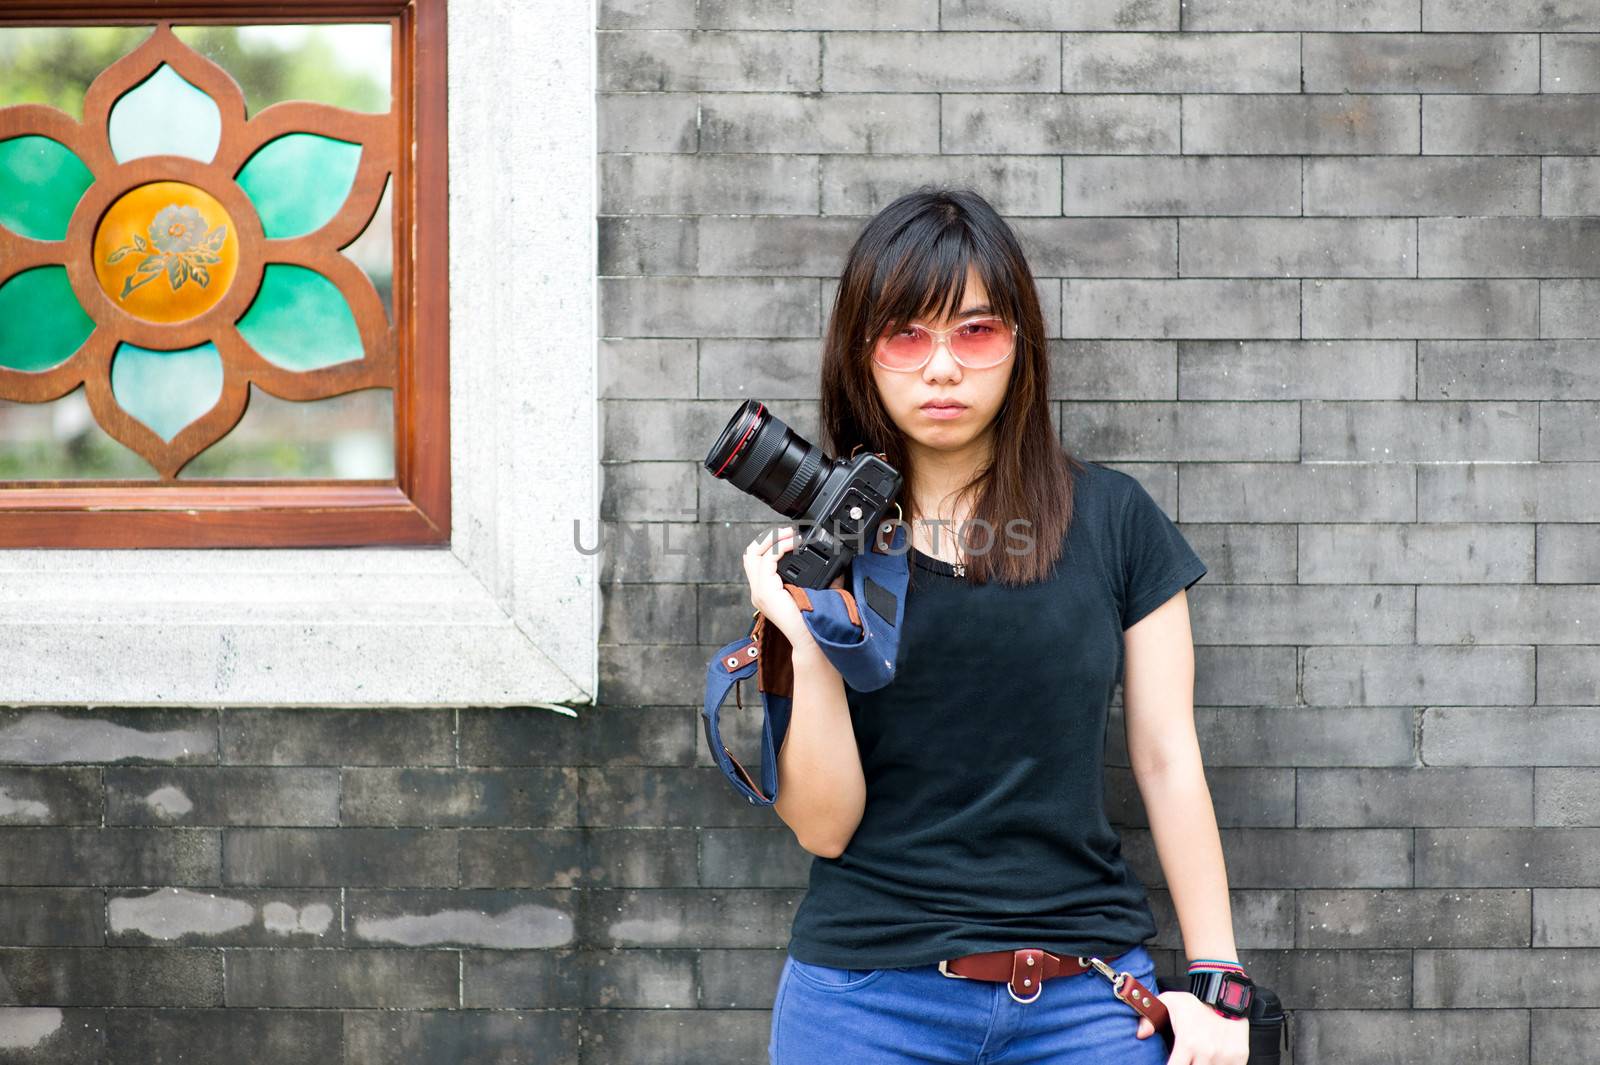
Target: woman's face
979,392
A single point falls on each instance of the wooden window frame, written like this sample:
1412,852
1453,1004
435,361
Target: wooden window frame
412,509
508,614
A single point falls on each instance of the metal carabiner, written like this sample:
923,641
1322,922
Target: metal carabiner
1104,970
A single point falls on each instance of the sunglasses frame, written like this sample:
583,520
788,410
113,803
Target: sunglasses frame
942,336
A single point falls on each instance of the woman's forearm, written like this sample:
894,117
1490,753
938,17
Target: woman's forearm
822,790
1183,825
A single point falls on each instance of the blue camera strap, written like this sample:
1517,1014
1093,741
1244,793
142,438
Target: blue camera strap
857,630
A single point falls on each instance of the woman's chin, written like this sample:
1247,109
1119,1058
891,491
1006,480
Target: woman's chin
942,437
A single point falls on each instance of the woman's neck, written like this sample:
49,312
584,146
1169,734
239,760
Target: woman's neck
937,480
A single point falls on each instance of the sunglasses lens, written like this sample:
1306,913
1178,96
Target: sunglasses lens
981,343
906,349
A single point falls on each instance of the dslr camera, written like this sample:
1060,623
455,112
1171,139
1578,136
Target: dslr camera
832,501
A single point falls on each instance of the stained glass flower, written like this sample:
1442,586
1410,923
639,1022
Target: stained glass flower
168,251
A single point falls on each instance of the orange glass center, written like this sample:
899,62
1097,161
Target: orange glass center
166,252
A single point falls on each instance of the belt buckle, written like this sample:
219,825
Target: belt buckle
944,970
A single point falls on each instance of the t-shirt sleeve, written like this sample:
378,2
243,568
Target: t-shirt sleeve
1157,562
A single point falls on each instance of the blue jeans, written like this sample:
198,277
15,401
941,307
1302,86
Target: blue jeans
827,1016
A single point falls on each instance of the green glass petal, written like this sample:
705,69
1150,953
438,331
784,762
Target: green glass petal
299,181
166,389
165,115
41,323
41,182
300,321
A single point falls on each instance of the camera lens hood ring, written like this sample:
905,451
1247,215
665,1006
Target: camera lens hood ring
763,443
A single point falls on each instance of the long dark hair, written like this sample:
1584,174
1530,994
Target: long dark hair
910,263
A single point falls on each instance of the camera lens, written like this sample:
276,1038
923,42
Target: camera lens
757,453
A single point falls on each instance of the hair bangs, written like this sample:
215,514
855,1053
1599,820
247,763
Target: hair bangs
922,276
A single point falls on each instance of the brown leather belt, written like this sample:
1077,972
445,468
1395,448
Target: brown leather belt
1024,971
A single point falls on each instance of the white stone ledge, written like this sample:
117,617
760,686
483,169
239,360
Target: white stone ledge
314,664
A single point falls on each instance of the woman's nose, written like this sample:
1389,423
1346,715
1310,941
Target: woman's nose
945,366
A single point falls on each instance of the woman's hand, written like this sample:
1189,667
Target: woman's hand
767,593
1201,1035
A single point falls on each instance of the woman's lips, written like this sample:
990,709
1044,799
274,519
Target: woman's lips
943,412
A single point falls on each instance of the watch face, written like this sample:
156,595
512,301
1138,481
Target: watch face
1234,997
1228,993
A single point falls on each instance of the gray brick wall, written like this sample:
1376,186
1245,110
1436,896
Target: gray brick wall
1326,277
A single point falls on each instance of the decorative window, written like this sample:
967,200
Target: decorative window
219,321
191,608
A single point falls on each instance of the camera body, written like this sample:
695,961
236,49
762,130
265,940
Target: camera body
854,498
832,501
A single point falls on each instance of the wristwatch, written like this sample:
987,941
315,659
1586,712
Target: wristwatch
1228,993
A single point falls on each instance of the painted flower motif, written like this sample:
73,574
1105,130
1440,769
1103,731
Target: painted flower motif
184,248
244,218
176,228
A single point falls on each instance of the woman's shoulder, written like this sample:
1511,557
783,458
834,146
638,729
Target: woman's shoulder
1099,486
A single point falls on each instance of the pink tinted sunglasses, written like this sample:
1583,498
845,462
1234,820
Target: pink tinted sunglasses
977,344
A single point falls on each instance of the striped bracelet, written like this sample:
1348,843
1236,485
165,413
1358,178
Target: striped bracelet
1215,965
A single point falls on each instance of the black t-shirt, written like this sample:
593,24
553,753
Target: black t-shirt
985,825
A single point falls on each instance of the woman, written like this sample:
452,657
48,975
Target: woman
960,809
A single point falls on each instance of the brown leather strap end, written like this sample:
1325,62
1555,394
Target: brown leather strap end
1145,1001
